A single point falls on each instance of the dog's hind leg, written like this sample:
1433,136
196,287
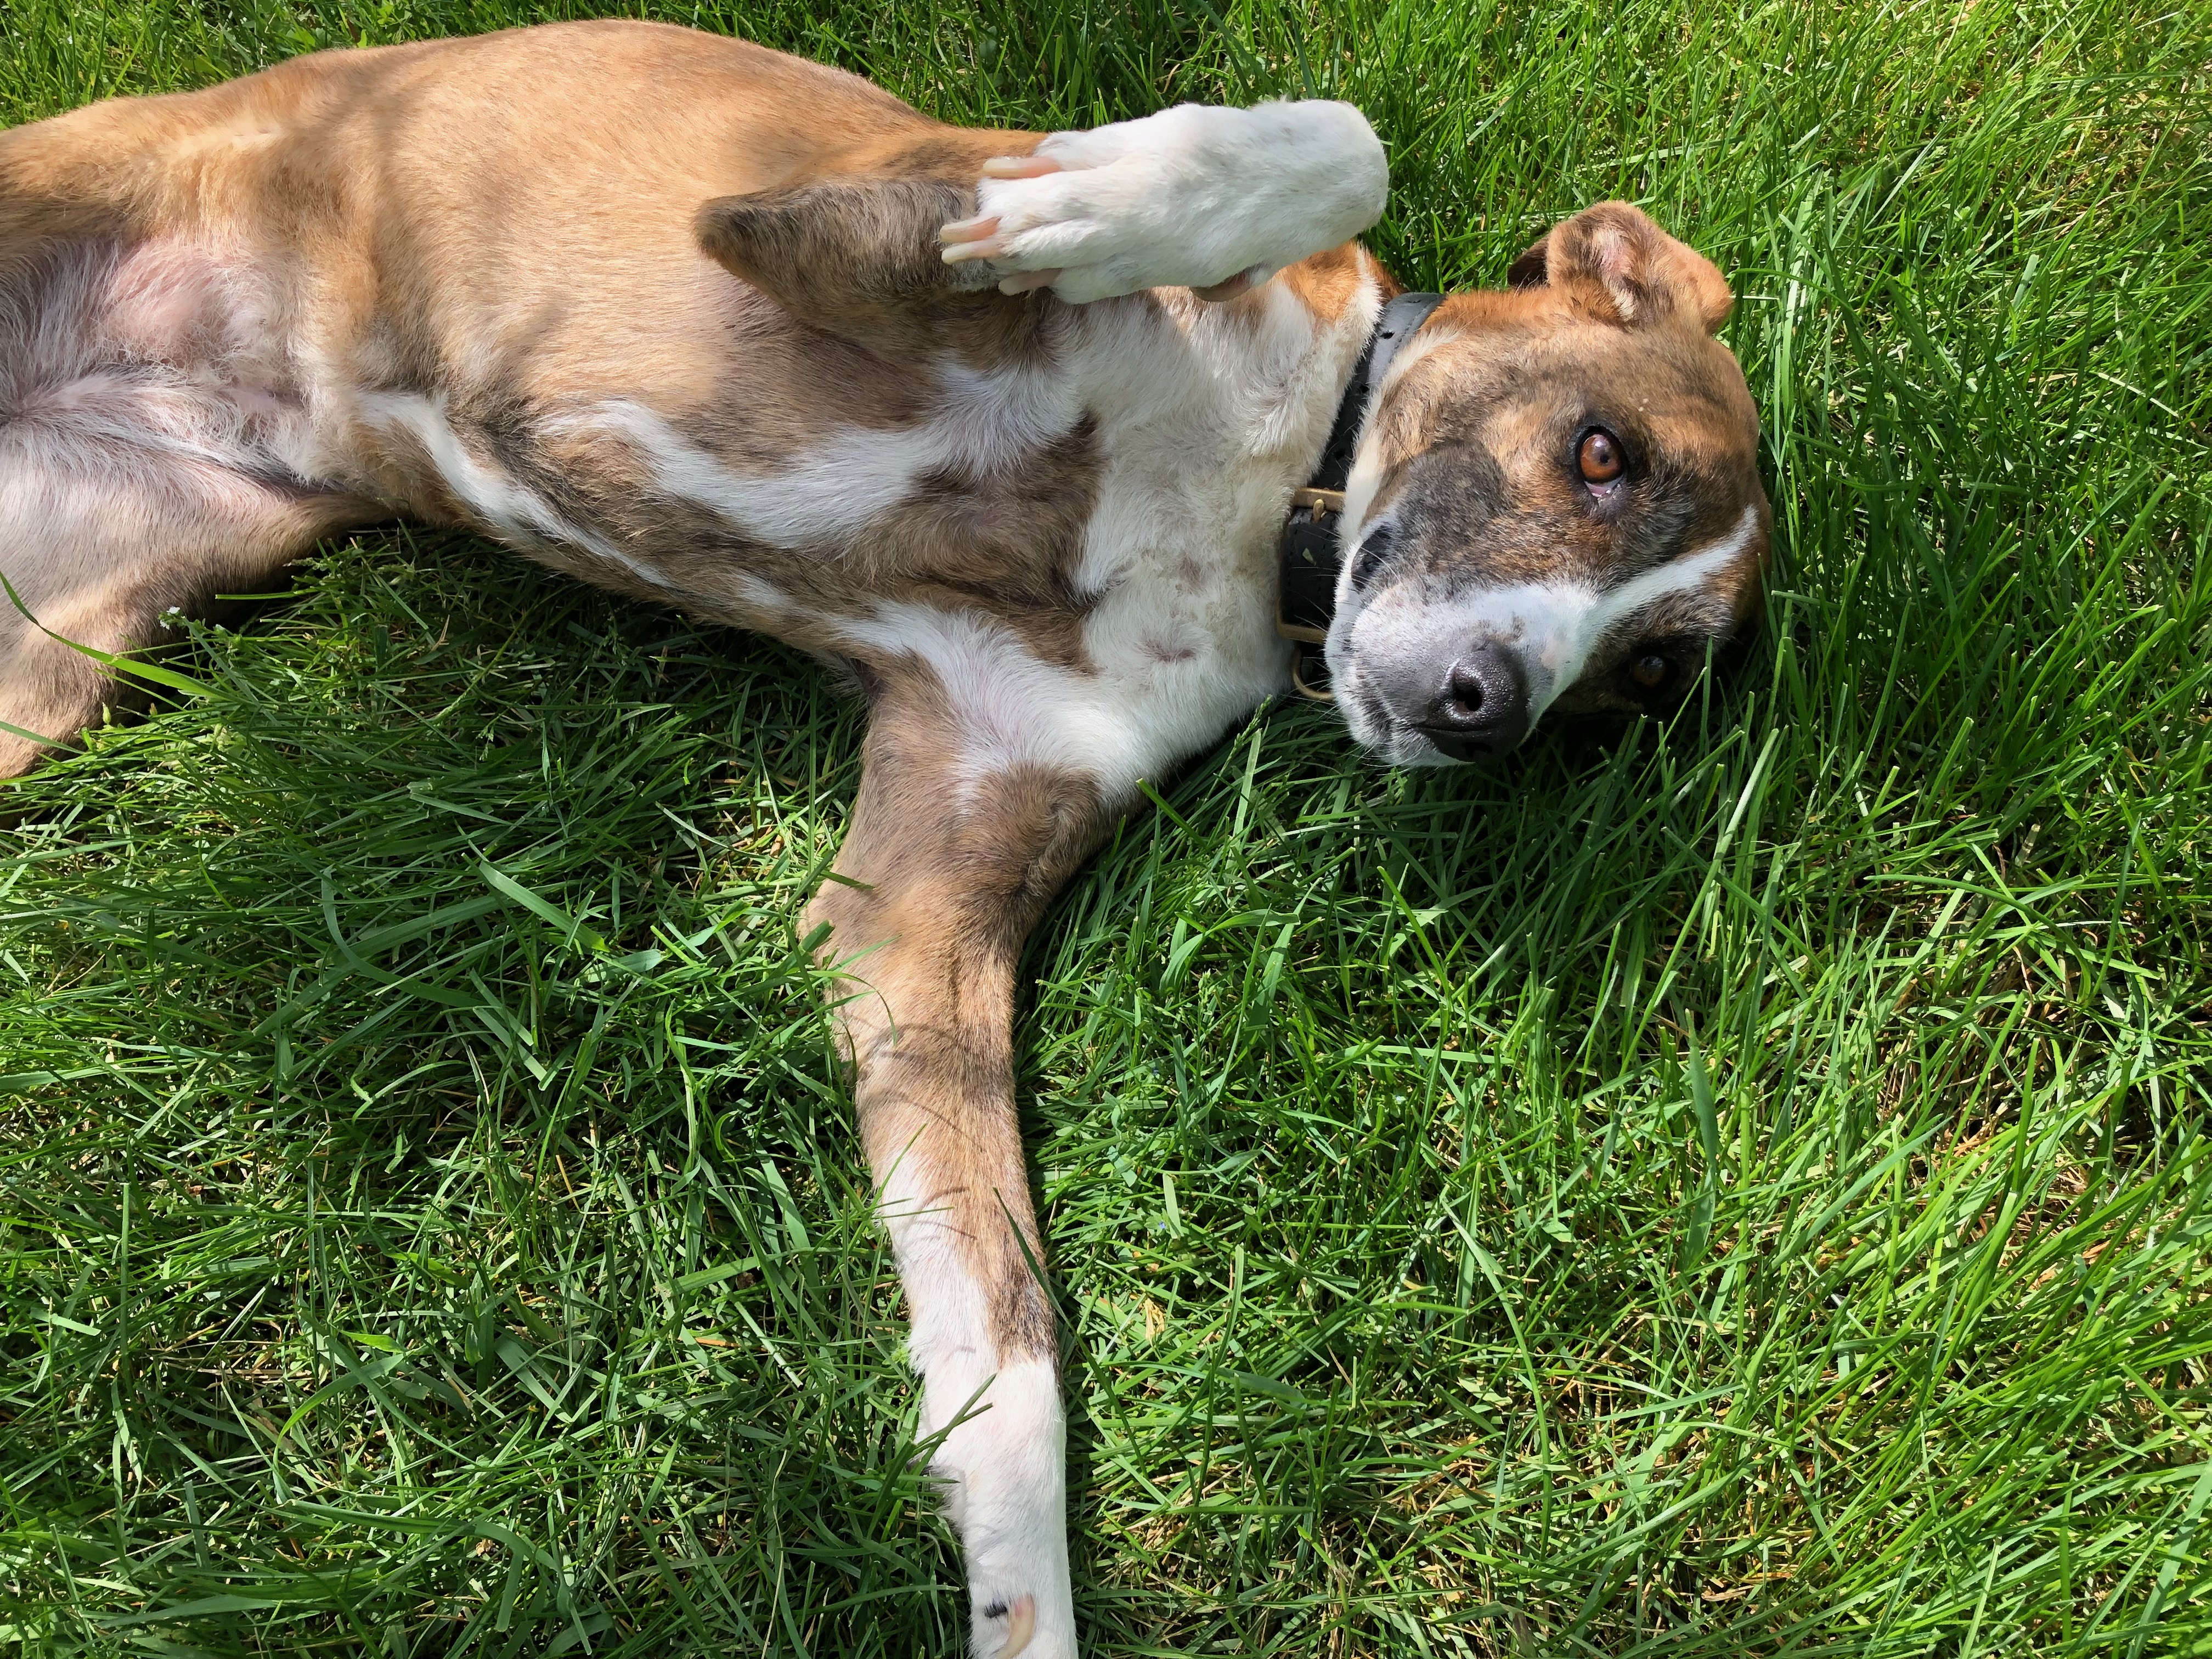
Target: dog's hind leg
136,473
941,877
101,559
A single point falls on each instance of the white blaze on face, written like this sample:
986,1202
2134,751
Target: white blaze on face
1553,627
1558,624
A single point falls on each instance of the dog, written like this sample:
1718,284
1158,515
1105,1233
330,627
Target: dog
1074,448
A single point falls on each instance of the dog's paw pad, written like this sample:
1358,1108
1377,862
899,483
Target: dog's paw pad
1005,1626
1020,1613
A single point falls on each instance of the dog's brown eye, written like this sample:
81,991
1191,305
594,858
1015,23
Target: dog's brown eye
1600,458
1650,670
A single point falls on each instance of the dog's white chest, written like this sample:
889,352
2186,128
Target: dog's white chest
1207,419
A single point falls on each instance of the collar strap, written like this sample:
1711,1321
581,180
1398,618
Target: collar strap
1306,597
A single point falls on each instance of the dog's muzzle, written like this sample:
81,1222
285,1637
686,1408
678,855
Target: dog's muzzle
1481,709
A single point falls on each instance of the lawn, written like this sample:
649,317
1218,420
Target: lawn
1740,1189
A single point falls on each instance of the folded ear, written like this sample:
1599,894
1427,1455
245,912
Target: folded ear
1611,261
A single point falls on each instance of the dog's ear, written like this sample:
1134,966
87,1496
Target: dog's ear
1528,271
1613,263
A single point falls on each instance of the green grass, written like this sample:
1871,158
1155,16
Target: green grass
1736,1189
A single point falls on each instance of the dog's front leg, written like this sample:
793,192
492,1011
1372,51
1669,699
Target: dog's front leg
942,875
1213,199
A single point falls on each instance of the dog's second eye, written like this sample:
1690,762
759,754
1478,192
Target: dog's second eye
1650,670
1368,559
1600,458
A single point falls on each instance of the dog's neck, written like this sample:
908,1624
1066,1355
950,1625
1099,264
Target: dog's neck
1312,553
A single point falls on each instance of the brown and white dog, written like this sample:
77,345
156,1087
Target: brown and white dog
1009,422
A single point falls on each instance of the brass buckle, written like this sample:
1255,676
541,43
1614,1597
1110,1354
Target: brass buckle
1315,501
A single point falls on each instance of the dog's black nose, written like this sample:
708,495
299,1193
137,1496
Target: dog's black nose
1483,707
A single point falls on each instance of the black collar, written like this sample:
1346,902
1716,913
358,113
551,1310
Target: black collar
1306,599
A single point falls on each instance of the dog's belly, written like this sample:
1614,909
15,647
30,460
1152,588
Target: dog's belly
1079,549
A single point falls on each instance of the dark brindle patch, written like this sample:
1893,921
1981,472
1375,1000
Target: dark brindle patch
861,257
1008,539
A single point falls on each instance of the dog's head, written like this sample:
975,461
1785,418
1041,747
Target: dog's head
1556,504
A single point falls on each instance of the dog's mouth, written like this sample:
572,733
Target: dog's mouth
1427,679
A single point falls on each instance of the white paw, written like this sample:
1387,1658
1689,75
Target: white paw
1021,1626
1193,197
1035,1623
1004,1490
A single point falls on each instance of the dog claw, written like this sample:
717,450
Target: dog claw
1019,166
989,248
968,230
1023,280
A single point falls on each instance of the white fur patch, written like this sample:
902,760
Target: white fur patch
504,507
981,423
1001,1462
1188,197
1006,1491
1205,424
1011,710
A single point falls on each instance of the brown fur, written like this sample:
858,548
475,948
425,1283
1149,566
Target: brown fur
933,903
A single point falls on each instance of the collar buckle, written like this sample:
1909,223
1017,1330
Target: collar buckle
1308,685
1309,544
